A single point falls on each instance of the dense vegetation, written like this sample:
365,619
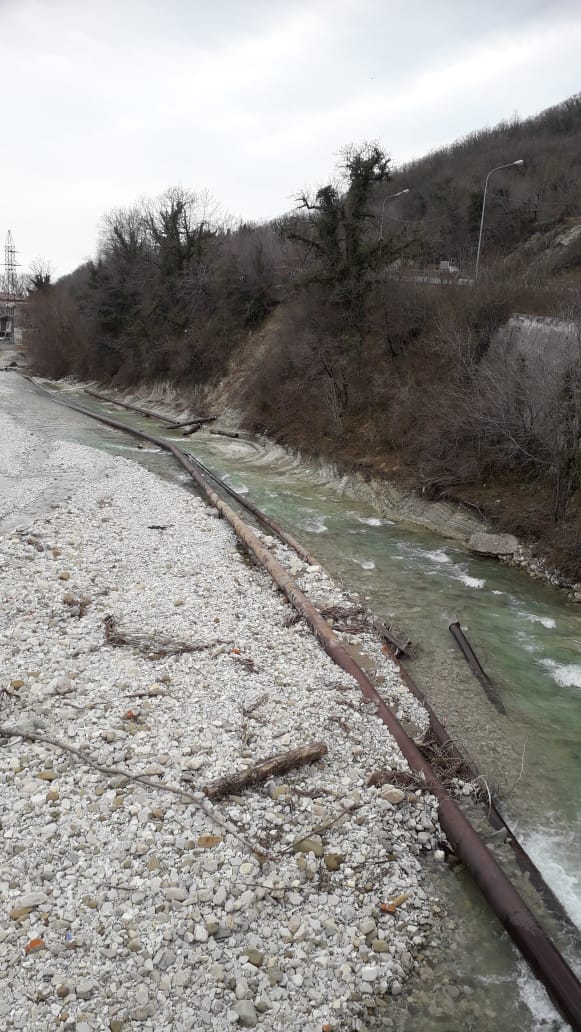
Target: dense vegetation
341,331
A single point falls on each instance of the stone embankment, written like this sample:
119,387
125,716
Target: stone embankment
127,899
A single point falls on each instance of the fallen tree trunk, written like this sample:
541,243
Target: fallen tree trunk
264,769
224,433
198,420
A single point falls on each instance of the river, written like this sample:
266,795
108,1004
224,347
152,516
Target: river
528,637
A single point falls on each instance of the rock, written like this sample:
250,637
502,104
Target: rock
176,892
369,973
493,544
255,957
116,1025
47,775
19,912
280,790
64,575
379,946
33,899
333,861
439,855
309,845
392,794
247,1016
17,683
63,686
85,989
142,996
367,926
209,841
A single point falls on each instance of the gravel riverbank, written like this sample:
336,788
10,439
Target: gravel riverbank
126,904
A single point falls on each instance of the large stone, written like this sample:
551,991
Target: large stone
392,794
247,1015
33,899
333,861
309,845
493,544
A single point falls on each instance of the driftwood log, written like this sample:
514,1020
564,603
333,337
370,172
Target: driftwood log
224,433
399,646
195,421
264,769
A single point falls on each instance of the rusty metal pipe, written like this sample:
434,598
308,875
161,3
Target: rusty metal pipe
125,404
268,521
493,814
539,951
476,667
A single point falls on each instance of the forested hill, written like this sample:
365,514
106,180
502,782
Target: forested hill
445,199
333,326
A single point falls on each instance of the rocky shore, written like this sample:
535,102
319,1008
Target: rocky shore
127,899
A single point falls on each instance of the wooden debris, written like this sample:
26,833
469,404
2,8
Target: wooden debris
264,769
397,642
196,421
153,649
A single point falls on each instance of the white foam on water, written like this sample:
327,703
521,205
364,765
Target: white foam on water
470,582
365,564
240,489
438,556
568,675
549,849
375,521
546,621
526,642
314,526
534,996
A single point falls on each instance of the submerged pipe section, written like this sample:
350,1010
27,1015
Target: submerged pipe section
493,814
477,669
539,951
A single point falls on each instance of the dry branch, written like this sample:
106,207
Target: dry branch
153,649
264,769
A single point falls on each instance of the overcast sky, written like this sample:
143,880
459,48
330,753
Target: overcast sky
105,101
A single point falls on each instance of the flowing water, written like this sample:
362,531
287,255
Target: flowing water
528,638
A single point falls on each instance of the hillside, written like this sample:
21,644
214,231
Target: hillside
338,335
443,208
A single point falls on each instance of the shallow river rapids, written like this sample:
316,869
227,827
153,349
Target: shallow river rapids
528,637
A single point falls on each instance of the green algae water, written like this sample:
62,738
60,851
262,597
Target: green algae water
528,638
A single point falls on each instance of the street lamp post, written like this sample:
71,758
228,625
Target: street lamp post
389,197
497,169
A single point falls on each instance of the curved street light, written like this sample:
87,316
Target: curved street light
389,197
497,169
